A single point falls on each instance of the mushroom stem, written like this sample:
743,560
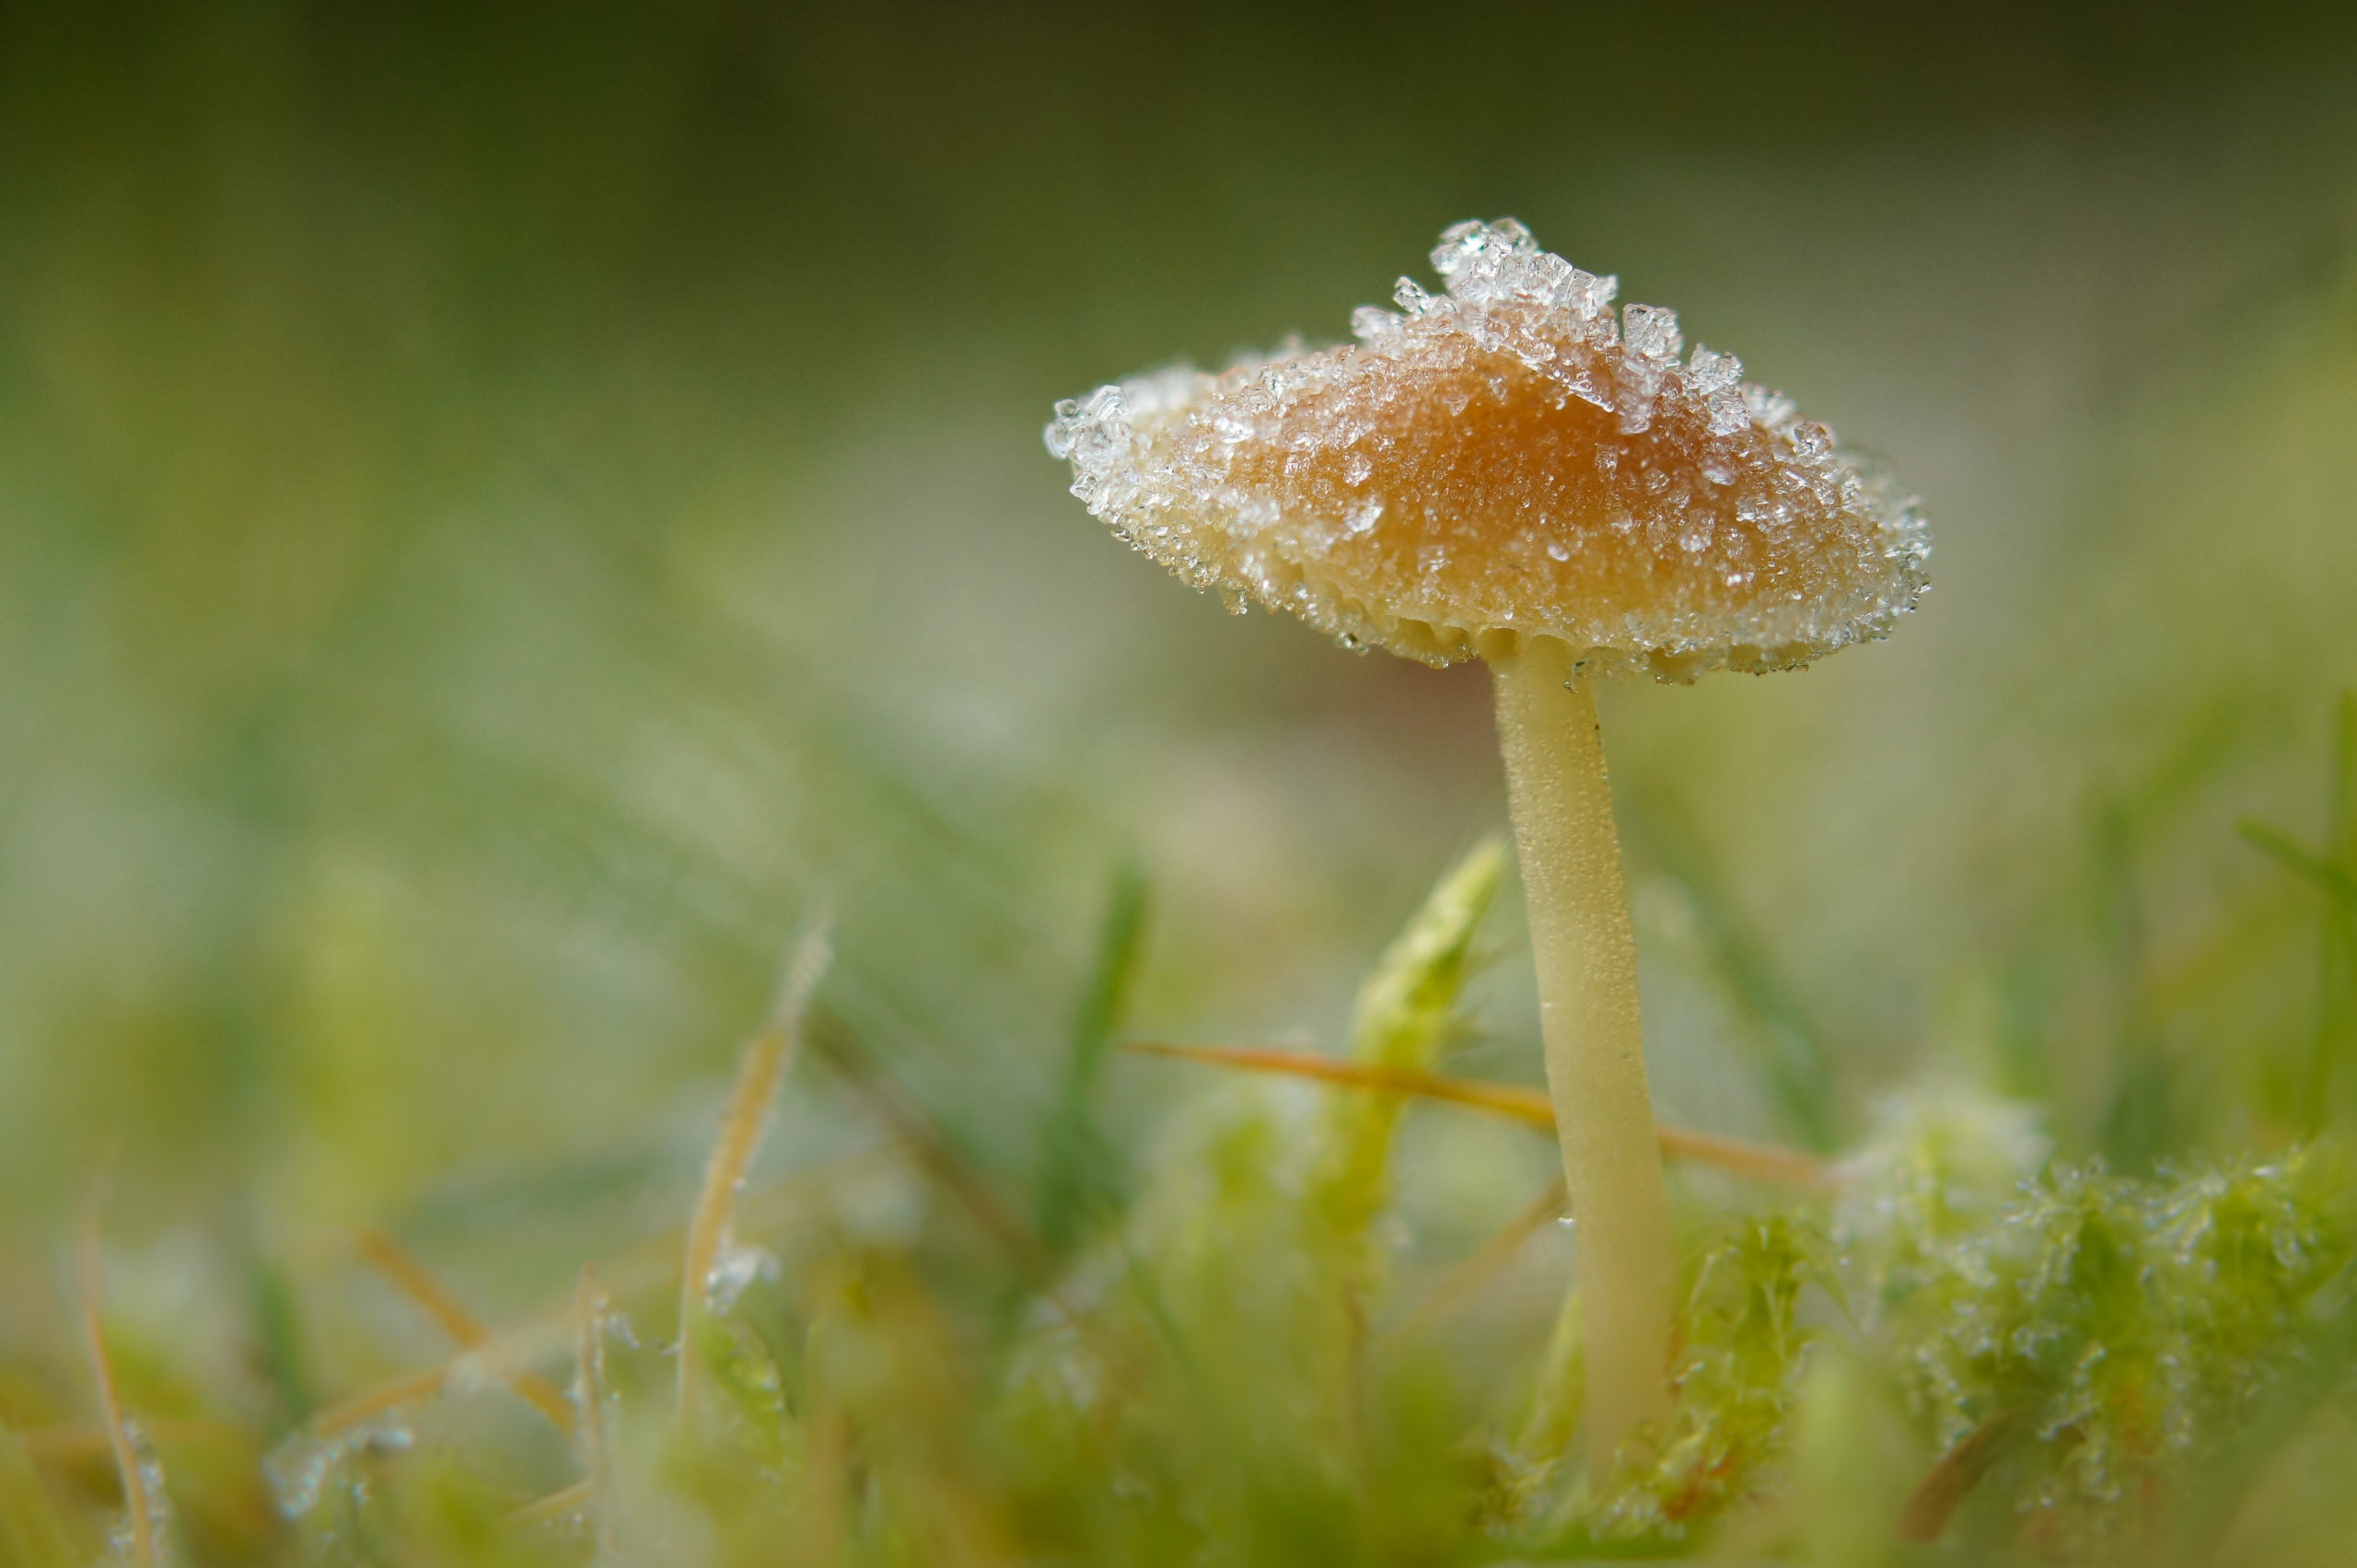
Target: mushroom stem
1562,803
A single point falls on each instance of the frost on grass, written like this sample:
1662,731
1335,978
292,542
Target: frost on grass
1238,1369
1507,455
304,1467
145,1542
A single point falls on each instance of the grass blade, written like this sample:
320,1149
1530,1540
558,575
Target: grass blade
142,1481
766,1057
589,1397
414,1281
1072,1147
2325,878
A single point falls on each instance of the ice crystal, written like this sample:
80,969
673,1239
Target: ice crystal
152,1500
300,1469
2119,1328
736,1269
1506,458
2110,1336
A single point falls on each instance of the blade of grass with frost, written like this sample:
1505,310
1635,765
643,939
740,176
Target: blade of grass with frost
1071,1166
143,1501
766,1057
590,1400
1405,1018
1793,1052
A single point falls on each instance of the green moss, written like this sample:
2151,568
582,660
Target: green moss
1223,1366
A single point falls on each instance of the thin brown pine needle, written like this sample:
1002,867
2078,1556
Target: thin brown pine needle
135,1497
414,1281
1530,1106
766,1057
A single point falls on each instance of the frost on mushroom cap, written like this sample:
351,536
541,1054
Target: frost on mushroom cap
1506,457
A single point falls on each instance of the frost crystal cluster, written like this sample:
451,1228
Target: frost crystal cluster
1506,456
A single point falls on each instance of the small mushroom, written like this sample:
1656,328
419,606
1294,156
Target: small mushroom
1505,472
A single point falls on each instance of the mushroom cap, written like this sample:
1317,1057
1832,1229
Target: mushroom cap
1506,459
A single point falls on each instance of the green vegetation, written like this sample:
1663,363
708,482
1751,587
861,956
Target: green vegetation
1964,1339
509,515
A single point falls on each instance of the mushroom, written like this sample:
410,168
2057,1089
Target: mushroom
1503,471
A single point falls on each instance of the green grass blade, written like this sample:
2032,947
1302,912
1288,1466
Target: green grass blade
2325,878
1073,1159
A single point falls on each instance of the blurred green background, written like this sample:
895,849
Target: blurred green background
504,512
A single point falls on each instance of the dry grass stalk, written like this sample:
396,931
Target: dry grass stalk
766,1057
1943,1490
560,1504
1530,1106
589,1410
930,1146
1484,1265
146,1551
412,1279
384,1397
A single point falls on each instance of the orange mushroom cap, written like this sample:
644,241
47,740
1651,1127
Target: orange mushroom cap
1505,459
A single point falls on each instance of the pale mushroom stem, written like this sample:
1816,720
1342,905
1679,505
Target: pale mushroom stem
1586,954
